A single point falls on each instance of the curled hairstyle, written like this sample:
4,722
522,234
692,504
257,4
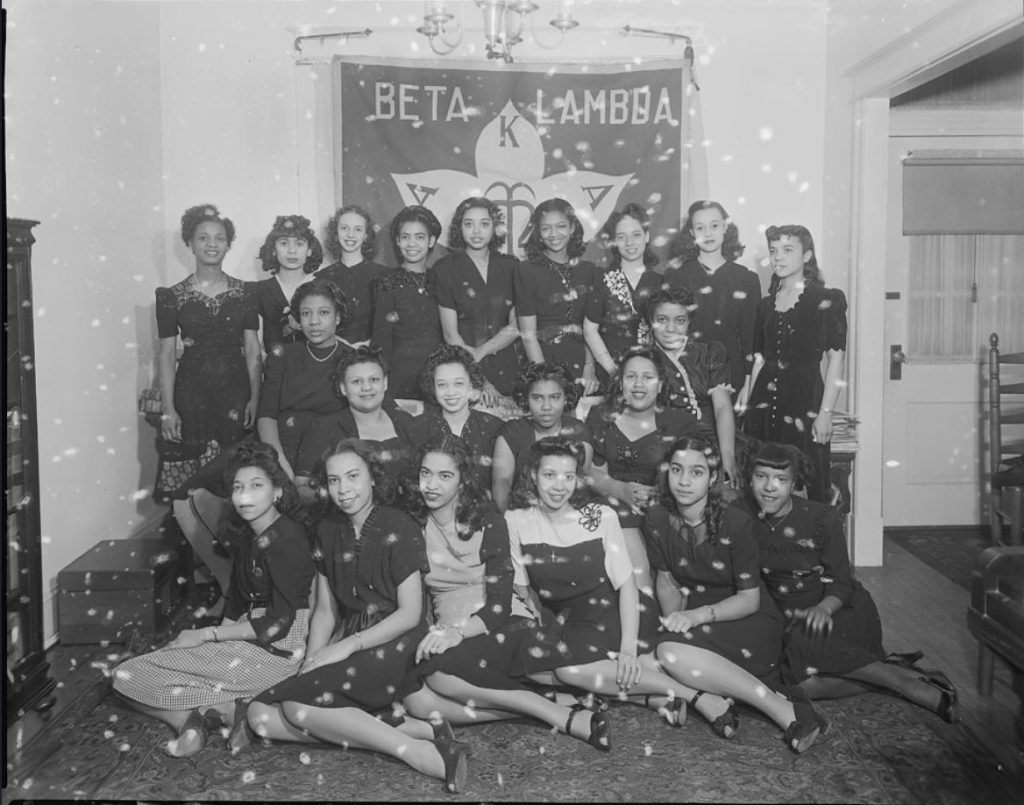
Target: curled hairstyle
637,213
471,503
449,353
383,484
524,491
812,274
333,244
361,354
778,456
326,289
291,226
456,242
681,296
684,245
196,215
535,246
538,373
407,215
716,504
263,457
615,398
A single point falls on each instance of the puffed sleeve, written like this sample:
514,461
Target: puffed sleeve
443,290
617,563
832,315
496,557
524,280
273,379
166,313
747,305
251,311
737,535
655,530
513,520
719,371
837,575
594,309
407,553
288,561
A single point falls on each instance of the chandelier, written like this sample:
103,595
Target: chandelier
504,22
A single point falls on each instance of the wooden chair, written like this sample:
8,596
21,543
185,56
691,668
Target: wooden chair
1006,443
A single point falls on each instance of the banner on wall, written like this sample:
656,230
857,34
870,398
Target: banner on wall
598,136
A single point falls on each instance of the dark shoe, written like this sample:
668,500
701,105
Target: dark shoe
598,737
443,732
726,725
673,710
590,701
456,764
807,725
194,723
947,709
241,733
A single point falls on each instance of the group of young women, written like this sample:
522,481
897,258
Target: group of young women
461,568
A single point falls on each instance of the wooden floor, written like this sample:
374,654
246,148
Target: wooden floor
920,608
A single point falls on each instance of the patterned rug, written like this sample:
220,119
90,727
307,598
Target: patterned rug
879,749
951,553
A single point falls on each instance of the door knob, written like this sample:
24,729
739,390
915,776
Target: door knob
897,357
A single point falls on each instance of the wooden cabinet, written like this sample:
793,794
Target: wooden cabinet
27,682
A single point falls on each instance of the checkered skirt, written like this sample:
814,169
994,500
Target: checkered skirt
213,673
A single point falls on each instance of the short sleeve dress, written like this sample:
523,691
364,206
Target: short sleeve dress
482,308
556,293
364,573
726,311
789,388
519,435
275,309
406,327
803,559
473,577
271,579
211,382
635,461
478,434
618,311
356,283
704,368
297,388
709,572
576,568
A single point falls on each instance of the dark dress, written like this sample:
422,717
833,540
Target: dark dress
271,580
711,572
297,388
705,368
275,309
789,388
364,574
478,434
519,435
803,559
474,577
576,569
406,326
211,382
397,453
482,309
639,461
556,293
618,310
726,310
356,283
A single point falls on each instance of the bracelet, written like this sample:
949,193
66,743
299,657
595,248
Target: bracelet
359,635
213,629
711,611
458,628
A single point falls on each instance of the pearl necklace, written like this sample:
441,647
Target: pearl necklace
326,357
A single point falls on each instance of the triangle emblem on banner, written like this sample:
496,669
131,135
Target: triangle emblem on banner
421,193
596,194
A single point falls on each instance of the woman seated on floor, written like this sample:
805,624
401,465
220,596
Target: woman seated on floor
833,640
548,393
366,626
467,664
361,378
198,680
720,629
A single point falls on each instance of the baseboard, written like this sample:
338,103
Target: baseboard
969,529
